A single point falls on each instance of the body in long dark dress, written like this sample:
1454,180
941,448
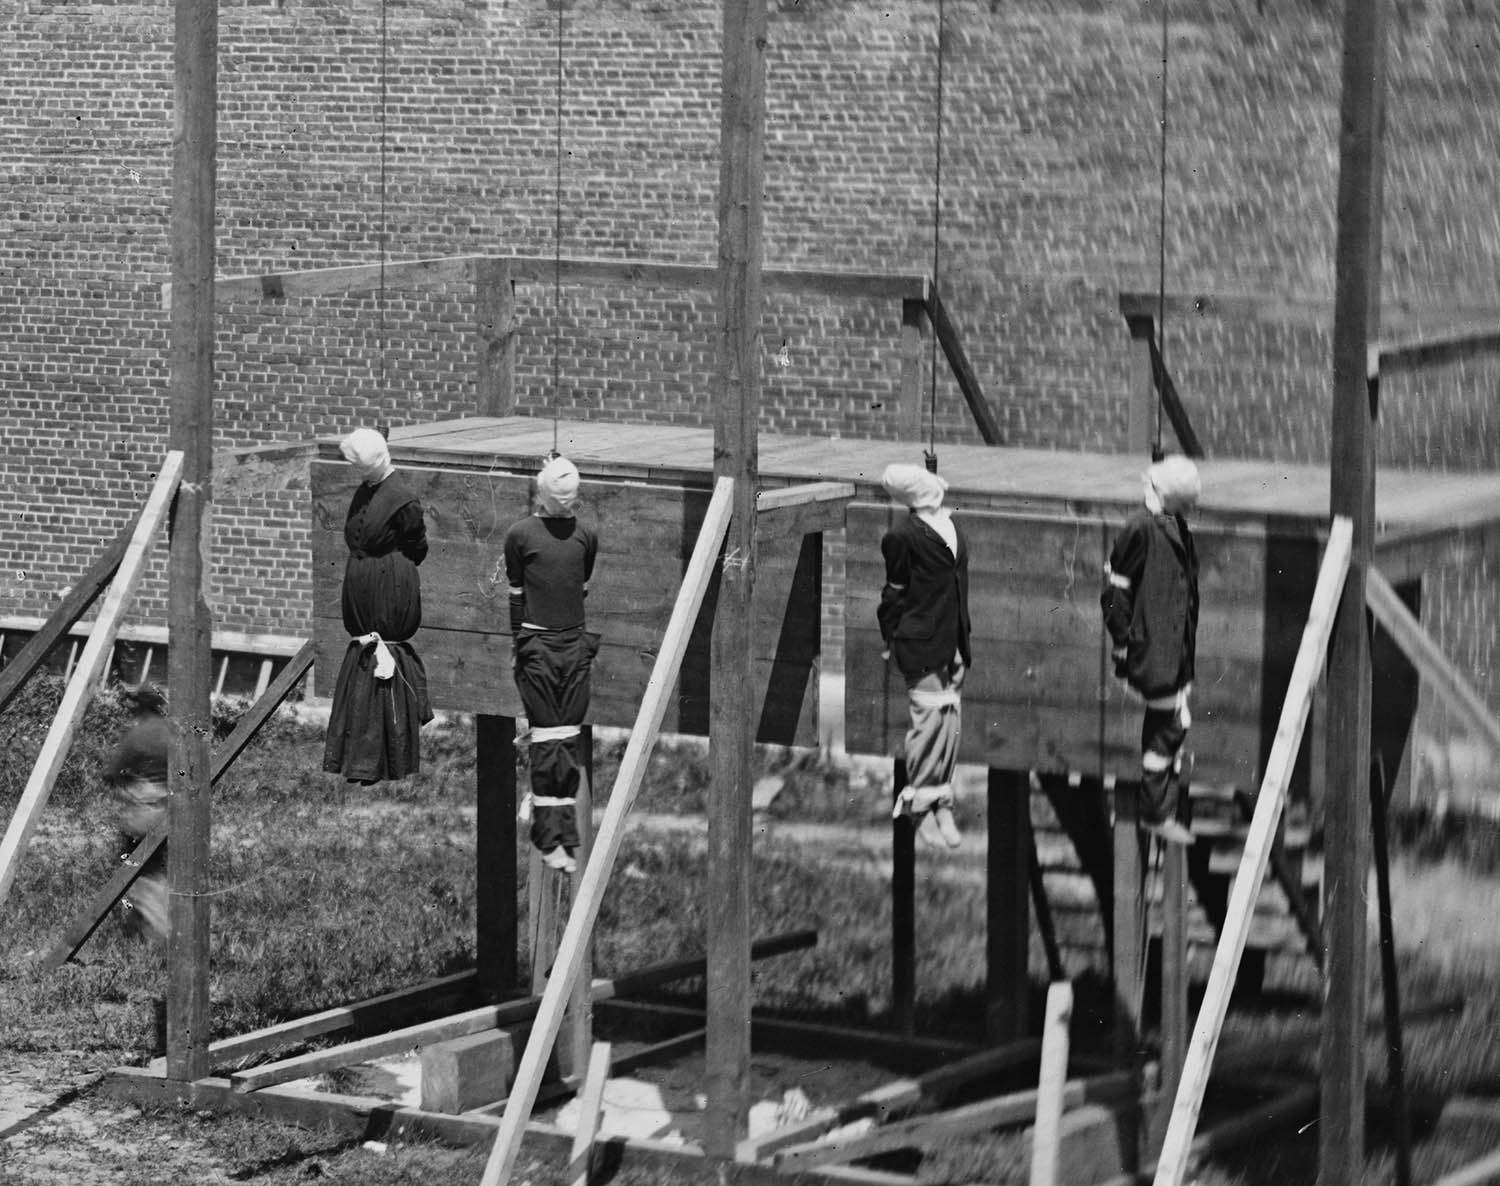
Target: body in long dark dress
374,729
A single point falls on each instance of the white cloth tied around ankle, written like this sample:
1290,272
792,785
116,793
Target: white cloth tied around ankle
552,733
385,662
920,800
934,698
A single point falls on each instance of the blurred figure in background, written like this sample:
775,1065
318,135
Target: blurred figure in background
136,774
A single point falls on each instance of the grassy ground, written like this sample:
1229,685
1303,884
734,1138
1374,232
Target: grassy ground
325,893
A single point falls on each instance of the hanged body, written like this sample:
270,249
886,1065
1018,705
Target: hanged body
380,700
924,623
549,559
136,774
1150,604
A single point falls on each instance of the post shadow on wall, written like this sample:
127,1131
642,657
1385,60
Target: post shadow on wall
798,641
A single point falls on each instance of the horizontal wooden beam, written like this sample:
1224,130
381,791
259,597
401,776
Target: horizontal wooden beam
476,1021
1315,311
264,469
1446,681
798,510
279,646
893,1099
1007,1111
1447,344
368,1118
773,1033
423,273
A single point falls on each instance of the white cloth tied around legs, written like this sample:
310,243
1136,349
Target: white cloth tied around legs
385,662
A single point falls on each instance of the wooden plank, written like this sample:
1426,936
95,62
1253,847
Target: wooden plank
1050,1084
1449,344
1007,905
1445,680
666,1051
361,1016
736,454
968,382
246,729
798,510
475,1020
1268,807
85,677
73,606
1483,1172
589,1103
893,1099
793,1037
1007,1111
434,271
594,878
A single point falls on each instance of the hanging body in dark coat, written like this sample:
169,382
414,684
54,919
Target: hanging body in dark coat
374,730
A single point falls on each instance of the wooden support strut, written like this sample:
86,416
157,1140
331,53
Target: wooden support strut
72,607
85,676
594,878
1177,1146
1456,692
1050,1082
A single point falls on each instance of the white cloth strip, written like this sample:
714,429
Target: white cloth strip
516,590
553,733
1151,760
1115,579
1177,699
385,662
924,698
552,801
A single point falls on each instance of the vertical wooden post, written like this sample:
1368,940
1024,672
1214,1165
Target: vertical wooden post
195,104
1389,978
1007,905
1140,425
495,300
903,913
1174,980
1356,319
497,941
1050,1084
913,356
736,456
1129,926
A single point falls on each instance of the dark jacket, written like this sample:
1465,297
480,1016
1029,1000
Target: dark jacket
924,607
1150,603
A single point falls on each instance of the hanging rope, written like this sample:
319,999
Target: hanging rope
381,235
937,240
557,241
1161,245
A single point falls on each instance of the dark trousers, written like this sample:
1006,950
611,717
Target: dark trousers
552,676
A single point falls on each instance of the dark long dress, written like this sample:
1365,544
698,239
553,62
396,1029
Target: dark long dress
374,729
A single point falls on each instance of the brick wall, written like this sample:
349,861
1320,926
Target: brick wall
1049,207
